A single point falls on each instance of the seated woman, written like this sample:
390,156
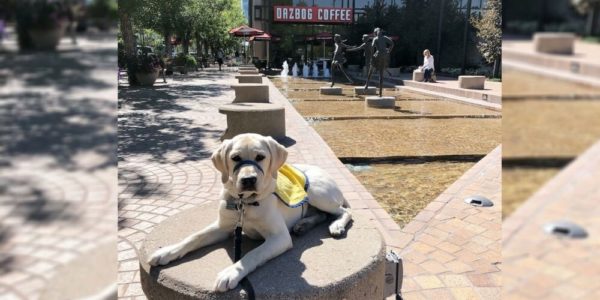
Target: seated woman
428,65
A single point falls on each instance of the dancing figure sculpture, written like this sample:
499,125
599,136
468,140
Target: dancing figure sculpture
339,59
382,47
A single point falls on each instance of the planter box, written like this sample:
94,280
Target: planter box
146,79
46,39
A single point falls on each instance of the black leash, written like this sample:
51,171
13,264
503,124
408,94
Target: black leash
237,249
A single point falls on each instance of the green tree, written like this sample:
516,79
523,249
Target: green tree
591,8
489,32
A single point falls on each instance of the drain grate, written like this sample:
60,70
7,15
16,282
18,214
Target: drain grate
565,229
479,201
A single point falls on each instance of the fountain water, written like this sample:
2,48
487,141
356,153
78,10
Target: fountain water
295,70
285,70
315,70
326,73
305,70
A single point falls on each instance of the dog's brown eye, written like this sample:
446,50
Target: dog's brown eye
260,157
236,158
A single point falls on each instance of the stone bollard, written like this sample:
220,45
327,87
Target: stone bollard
251,92
317,267
554,42
249,78
263,118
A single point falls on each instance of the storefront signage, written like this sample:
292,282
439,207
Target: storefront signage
297,14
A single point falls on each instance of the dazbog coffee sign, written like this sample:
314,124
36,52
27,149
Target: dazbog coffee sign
296,14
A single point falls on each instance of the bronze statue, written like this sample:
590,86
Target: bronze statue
382,47
339,59
367,47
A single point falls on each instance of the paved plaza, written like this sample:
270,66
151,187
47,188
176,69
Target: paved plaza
167,133
58,169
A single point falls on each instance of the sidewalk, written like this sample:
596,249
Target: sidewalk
57,170
538,265
167,134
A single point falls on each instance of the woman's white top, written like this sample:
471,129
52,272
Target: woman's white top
428,63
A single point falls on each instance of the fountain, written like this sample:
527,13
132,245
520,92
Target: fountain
326,73
284,72
315,70
295,70
305,70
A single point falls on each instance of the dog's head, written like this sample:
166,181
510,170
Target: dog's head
249,163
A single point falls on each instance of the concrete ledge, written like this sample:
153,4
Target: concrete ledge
326,90
471,82
381,102
554,42
263,118
317,267
251,92
361,91
249,78
418,75
255,71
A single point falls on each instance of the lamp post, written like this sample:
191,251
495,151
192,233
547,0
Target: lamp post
466,37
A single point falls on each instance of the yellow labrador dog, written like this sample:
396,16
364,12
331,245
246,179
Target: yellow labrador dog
249,165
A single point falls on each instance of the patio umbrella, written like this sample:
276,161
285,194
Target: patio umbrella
263,37
245,32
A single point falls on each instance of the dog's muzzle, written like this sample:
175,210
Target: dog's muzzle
249,182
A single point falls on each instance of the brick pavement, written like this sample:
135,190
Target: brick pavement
162,175
540,266
58,164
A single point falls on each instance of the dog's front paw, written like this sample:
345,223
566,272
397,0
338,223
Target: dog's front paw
228,278
336,229
165,255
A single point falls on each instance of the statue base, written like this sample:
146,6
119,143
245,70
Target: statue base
326,90
362,91
380,102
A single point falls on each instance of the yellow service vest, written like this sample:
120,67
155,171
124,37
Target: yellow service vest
292,186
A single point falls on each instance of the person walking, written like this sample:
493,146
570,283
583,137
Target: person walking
220,58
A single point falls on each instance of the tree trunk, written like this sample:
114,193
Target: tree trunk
168,47
186,44
496,72
129,45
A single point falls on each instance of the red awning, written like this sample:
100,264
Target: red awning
244,30
263,37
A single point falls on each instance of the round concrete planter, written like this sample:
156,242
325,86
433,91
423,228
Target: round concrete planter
46,39
146,79
317,267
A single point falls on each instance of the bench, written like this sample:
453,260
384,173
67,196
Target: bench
418,75
263,118
255,71
251,92
471,82
249,78
554,42
326,90
317,267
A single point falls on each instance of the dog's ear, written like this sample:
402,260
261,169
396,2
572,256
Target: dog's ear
220,160
278,156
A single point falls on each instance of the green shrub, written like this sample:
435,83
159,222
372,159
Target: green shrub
184,60
103,9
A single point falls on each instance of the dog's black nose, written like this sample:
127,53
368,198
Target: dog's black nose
248,182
